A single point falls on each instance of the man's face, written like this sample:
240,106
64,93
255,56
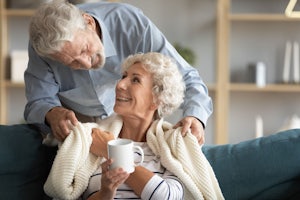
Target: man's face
86,51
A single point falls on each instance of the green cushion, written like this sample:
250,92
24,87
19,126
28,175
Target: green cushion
24,163
263,168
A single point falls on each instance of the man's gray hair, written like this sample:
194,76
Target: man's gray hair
53,24
168,86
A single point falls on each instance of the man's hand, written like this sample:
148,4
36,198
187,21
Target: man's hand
60,119
196,128
100,140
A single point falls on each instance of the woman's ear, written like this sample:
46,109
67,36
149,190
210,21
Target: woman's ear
89,20
154,106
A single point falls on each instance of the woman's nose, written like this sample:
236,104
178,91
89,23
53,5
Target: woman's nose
122,84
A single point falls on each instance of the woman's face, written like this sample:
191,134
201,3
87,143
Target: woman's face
86,51
134,97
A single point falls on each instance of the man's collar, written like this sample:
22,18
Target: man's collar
109,47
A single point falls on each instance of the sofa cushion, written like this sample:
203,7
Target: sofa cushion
24,163
263,168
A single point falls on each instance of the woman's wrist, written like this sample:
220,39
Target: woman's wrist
101,195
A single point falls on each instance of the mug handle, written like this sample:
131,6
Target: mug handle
142,153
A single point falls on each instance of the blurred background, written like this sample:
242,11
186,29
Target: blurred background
224,39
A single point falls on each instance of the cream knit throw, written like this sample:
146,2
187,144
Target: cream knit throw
74,164
183,156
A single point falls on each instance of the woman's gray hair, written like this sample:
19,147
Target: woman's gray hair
168,86
53,24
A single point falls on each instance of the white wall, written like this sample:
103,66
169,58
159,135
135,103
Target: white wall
189,22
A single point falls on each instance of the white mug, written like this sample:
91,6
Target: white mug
121,151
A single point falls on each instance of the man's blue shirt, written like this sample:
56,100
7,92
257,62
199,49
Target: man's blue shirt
125,31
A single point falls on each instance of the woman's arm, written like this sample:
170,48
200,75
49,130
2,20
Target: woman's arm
147,185
138,179
100,196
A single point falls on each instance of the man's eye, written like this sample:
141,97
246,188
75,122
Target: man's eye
75,64
84,50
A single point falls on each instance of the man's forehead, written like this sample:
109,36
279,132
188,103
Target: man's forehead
66,53
68,48
75,43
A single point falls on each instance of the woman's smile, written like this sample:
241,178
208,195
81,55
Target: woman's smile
123,99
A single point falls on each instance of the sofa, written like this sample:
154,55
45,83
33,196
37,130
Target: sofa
24,163
263,168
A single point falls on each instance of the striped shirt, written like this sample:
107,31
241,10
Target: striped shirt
163,185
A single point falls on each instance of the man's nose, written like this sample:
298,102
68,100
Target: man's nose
85,61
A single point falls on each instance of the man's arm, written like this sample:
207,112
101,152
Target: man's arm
43,105
40,89
197,106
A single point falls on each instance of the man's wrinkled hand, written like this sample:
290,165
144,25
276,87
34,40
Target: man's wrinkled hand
60,120
194,125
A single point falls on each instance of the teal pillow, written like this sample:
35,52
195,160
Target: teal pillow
24,163
263,168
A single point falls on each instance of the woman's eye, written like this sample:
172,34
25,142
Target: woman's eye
136,80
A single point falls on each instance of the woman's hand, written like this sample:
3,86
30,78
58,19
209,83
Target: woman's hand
100,140
111,180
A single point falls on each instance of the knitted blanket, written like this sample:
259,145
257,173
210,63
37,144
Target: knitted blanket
183,156
74,164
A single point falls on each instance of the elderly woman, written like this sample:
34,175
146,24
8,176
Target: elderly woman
174,167
150,89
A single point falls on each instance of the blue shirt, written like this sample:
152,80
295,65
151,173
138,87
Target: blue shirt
125,31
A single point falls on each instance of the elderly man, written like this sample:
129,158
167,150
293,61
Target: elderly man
74,62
